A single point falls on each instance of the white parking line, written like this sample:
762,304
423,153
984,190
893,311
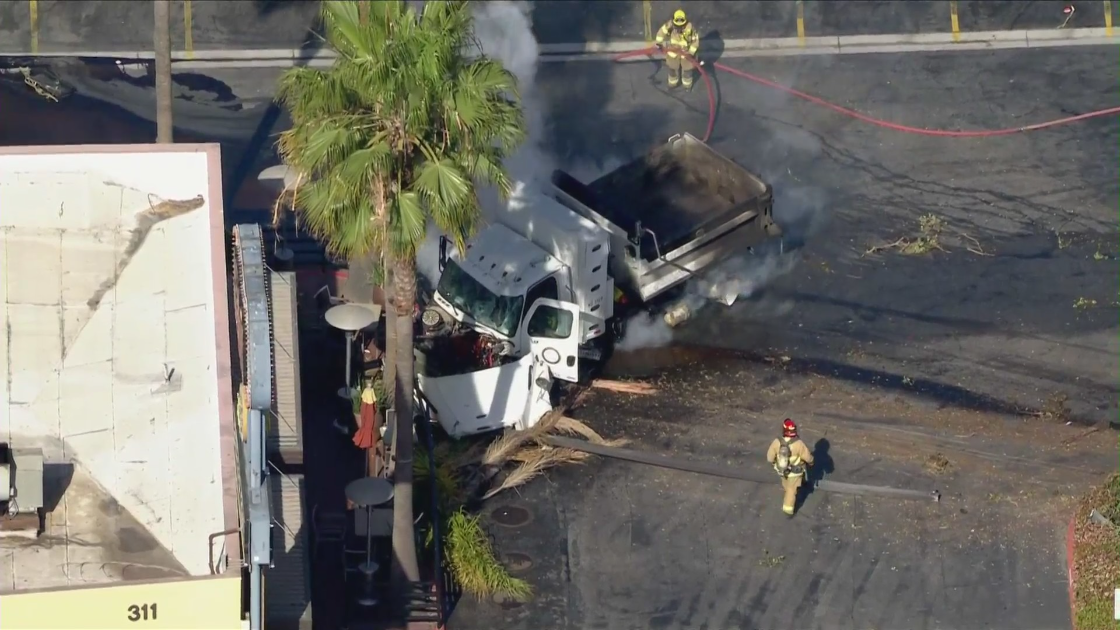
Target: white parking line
594,51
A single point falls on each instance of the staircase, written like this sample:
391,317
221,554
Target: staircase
287,586
423,604
285,434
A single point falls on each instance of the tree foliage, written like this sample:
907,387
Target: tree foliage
400,130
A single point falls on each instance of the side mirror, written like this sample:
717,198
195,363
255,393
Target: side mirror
443,242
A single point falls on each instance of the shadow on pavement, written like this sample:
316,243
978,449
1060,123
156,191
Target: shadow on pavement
822,466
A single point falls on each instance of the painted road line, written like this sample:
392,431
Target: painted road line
188,31
1108,17
33,6
953,18
801,23
764,47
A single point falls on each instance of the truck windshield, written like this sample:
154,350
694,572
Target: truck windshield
484,306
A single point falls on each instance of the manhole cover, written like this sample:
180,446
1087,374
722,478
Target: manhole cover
510,516
517,562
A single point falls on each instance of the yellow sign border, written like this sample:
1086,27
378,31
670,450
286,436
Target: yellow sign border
201,603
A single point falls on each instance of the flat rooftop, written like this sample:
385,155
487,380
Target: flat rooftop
115,360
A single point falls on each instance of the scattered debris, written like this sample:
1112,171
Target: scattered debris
780,361
937,463
770,561
1084,303
1099,519
928,239
930,229
1096,557
624,387
1055,408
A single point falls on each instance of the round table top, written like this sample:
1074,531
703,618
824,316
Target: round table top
369,491
351,317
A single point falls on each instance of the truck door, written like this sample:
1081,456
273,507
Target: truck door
553,330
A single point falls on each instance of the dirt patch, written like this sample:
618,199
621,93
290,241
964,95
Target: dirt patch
1097,557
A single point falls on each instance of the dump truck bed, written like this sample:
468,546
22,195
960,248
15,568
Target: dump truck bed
679,190
682,206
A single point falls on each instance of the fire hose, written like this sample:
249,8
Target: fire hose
944,133
700,468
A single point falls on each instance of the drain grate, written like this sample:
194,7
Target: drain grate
510,516
518,562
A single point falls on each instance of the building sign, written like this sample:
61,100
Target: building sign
206,603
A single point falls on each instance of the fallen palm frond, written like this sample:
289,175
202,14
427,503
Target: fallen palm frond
475,565
501,449
535,462
572,426
623,387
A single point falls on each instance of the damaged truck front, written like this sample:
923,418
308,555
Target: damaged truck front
543,292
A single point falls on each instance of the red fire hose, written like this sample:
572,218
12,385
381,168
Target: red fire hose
653,50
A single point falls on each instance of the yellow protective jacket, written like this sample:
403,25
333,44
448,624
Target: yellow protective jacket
678,37
799,454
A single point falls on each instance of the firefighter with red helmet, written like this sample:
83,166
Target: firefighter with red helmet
791,459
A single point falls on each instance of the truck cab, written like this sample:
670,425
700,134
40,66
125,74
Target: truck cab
496,281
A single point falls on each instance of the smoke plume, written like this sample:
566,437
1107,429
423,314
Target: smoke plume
504,31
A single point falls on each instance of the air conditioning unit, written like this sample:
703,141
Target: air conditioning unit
21,480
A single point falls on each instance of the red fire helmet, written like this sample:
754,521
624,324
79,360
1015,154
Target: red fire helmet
789,428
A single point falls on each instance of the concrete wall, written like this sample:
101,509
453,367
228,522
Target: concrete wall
90,376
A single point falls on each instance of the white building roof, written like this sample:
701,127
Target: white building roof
117,359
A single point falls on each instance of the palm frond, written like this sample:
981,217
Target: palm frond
401,130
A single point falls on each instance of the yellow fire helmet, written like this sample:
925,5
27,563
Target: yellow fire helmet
679,18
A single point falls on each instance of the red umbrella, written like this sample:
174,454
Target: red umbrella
367,434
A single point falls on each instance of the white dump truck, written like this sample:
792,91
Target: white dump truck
544,291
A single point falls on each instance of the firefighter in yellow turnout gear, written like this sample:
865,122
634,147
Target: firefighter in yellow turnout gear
676,36
791,459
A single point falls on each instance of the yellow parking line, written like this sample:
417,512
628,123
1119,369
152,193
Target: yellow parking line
188,40
647,15
1108,18
956,24
800,23
33,5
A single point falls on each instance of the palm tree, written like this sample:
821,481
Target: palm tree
162,46
401,129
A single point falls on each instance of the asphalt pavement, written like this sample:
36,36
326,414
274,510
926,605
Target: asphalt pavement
1032,315
116,25
619,546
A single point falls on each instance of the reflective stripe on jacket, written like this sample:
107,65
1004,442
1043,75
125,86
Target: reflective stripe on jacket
681,38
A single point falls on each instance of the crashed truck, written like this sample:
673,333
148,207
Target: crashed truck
540,295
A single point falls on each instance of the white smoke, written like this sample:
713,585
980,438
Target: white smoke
743,276
504,30
645,330
740,277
